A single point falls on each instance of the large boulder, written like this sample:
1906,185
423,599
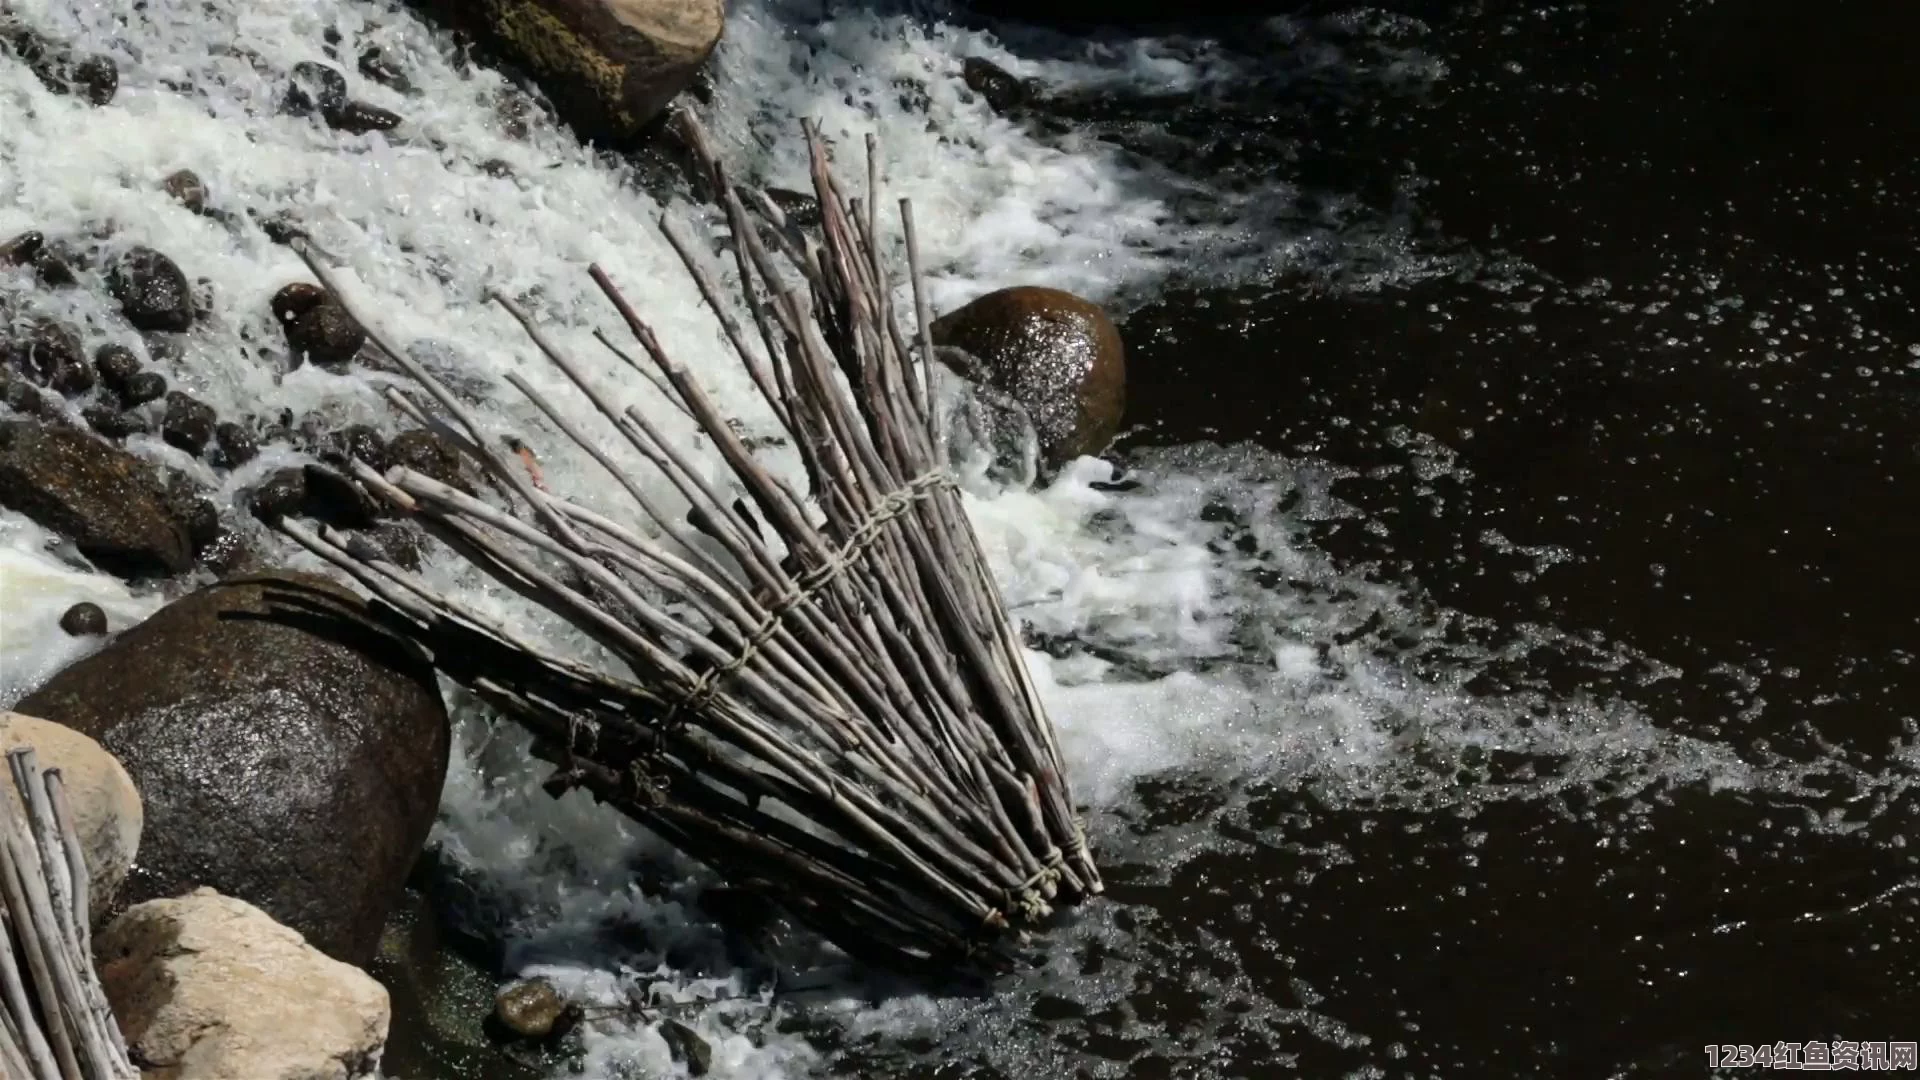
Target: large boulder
1055,353
206,987
110,503
610,66
290,750
106,807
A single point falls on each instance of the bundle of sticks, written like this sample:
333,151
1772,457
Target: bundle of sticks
54,1020
836,712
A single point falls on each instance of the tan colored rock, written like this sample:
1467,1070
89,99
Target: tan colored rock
1057,354
207,987
107,814
610,66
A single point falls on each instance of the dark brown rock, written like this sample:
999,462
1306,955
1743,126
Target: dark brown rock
153,292
116,364
108,502
48,353
187,187
429,455
289,750
143,387
28,400
295,300
376,64
318,329
84,620
337,500
1001,90
360,441
189,505
1058,355
314,88
685,1043
237,444
188,423
401,541
358,118
281,494
114,423
23,249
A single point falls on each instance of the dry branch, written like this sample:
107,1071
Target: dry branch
54,1019
837,712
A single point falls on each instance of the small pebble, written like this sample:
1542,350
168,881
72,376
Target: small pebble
84,620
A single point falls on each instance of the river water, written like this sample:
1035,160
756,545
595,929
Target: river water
1490,650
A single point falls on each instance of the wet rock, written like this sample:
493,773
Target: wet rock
116,364
318,329
237,444
188,423
84,620
998,87
530,1008
1057,354
337,500
207,987
112,423
296,299
687,1046
27,400
107,815
23,249
377,65
515,113
429,455
290,748
282,228
314,88
108,502
357,441
358,118
609,66
153,292
50,265
48,354
189,506
402,543
282,493
58,67
97,78
143,387
186,186
231,554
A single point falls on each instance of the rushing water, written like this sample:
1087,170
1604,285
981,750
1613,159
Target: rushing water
1524,760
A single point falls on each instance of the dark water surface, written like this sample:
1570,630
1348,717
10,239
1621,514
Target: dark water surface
1682,349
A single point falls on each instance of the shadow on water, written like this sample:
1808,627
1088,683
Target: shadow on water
1679,348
